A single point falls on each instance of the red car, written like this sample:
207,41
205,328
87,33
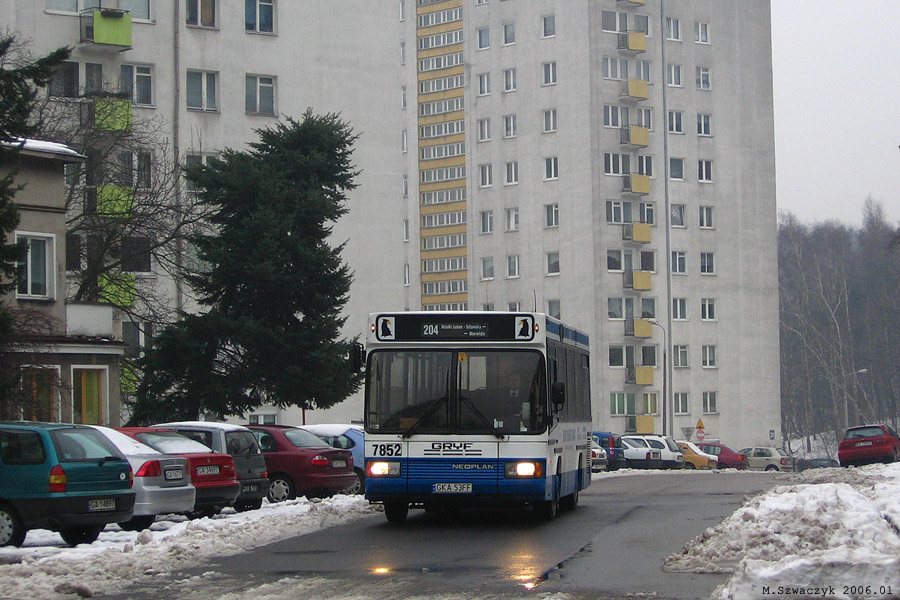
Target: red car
868,444
302,464
212,473
728,458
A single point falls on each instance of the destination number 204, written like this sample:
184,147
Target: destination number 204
387,450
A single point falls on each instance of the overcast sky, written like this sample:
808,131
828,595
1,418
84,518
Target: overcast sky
837,107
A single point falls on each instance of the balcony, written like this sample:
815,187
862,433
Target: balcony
112,114
639,375
640,281
634,89
633,42
639,233
631,2
117,289
636,184
106,29
634,136
115,201
639,328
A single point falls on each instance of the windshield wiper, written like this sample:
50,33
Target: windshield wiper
481,417
107,458
428,414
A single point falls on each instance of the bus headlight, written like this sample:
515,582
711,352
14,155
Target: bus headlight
526,469
383,468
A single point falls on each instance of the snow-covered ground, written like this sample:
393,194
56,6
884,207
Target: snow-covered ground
830,529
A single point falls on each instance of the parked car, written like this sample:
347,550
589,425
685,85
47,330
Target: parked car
240,443
695,458
867,444
212,473
615,451
302,464
62,477
346,437
599,458
805,464
727,458
639,454
671,455
767,458
162,483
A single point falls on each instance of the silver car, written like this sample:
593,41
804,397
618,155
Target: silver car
162,483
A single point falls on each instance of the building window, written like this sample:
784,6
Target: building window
549,69
681,403
679,262
259,16
509,80
512,172
645,117
484,84
548,26
404,142
551,168
552,215
621,403
514,306
484,130
403,96
618,308
703,78
512,265
649,403
673,29
509,34
676,169
137,337
709,403
709,356
704,124
708,309
512,219
701,32
642,24
135,254
137,83
402,10
485,175
616,356
706,217
615,116
553,263
680,356
613,22
138,9
405,230
403,55
202,93
648,308
647,213
553,309
616,164
642,70
487,306
484,38
263,419
645,165
617,260
618,211
676,121
260,95
510,125
487,221
36,270
677,215
615,68
487,268
704,171
549,120
88,391
679,309
707,263
64,81
404,186
201,13
648,260
673,76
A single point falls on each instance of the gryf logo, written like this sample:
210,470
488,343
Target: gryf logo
452,449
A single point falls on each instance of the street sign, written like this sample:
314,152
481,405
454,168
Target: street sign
700,424
700,434
687,432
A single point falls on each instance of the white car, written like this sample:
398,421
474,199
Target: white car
670,454
639,454
599,458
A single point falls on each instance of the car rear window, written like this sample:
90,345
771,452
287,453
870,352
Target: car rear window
170,442
304,439
241,443
863,432
22,448
73,445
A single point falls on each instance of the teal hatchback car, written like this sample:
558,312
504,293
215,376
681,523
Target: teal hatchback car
62,477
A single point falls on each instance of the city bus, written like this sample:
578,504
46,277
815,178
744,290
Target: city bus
476,409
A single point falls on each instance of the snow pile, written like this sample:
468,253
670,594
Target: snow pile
826,536
45,568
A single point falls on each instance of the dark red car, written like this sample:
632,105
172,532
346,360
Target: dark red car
867,444
728,458
302,464
212,473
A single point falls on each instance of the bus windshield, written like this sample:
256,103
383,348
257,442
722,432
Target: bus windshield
456,391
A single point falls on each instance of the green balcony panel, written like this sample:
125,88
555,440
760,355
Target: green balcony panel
112,114
115,201
112,28
117,289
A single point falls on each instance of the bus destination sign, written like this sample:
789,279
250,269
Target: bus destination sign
484,327
466,330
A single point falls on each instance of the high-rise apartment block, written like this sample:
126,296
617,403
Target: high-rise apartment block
609,162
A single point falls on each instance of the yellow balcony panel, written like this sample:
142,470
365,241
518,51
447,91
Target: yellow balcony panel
634,89
641,233
442,185
452,161
431,209
445,298
117,288
112,114
635,136
439,51
115,201
456,115
642,280
443,230
633,42
444,276
626,3
644,424
454,70
106,27
636,184
442,95
445,139
639,328
643,375
443,253
430,8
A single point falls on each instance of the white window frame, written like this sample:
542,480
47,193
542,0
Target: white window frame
549,73
704,81
551,214
487,268
512,173
681,356
509,34
704,124
509,80
256,29
644,117
673,75
49,265
682,403
548,23
679,262
704,170
205,76
672,161
615,68
676,215
676,121
485,175
708,353
260,84
484,84
708,309
482,38
138,73
707,263
510,126
512,218
679,309
551,168
512,266
552,263
484,129
706,217
701,32
710,403
673,29
550,123
487,221
198,23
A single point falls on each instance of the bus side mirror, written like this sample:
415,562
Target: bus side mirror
558,395
357,357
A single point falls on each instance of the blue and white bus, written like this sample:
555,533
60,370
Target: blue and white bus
476,409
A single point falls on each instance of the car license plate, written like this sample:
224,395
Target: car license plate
858,444
105,504
452,488
208,470
249,488
339,463
174,474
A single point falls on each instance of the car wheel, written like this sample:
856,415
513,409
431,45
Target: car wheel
359,487
281,488
81,534
246,505
12,532
771,468
206,511
396,511
138,523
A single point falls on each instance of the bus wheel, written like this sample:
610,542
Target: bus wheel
396,511
547,509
